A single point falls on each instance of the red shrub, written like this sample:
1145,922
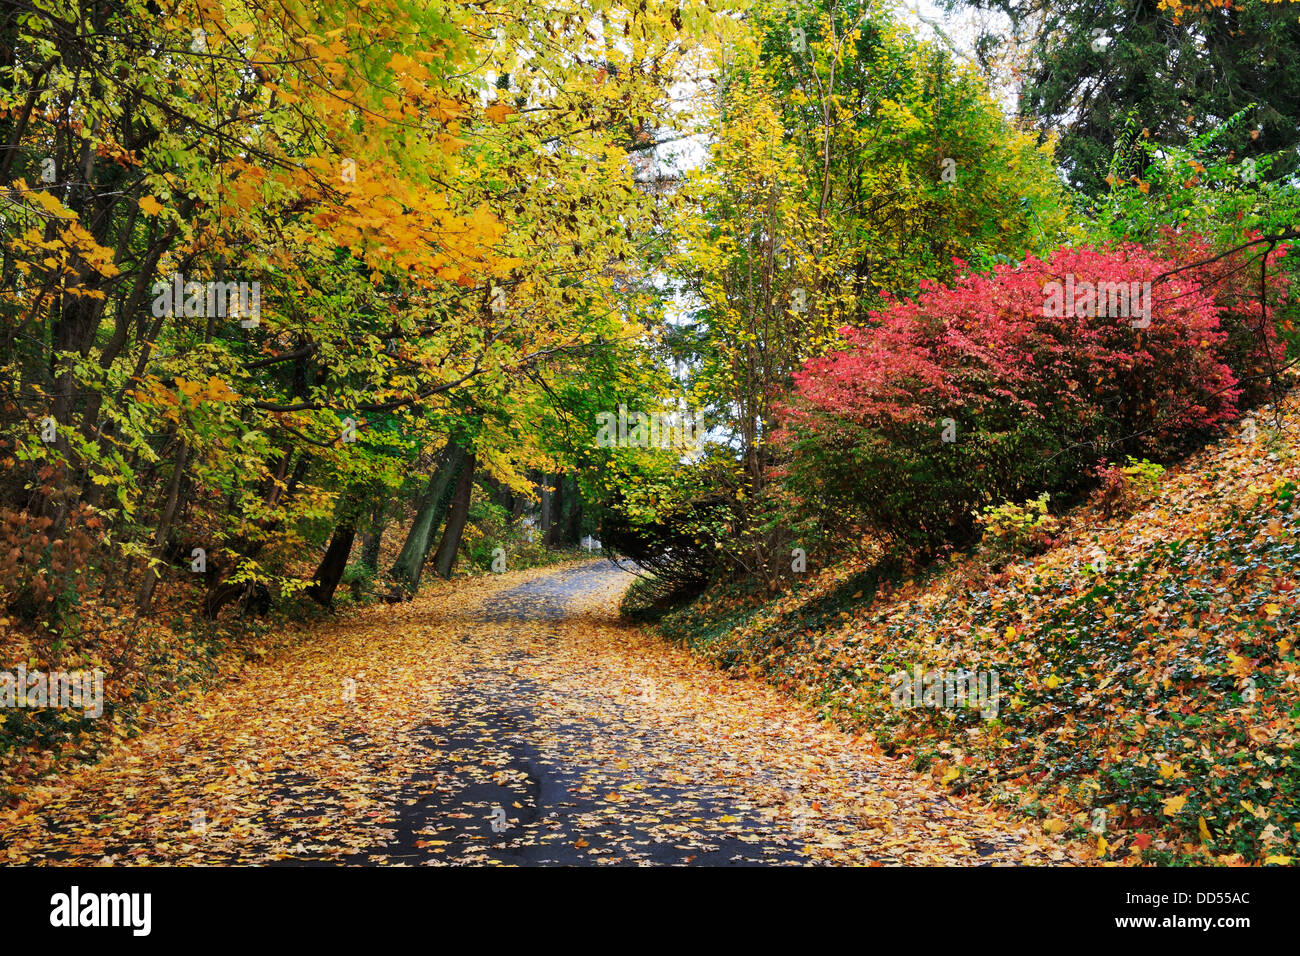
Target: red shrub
1252,348
1029,391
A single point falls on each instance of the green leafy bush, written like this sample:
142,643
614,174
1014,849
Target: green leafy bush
1012,528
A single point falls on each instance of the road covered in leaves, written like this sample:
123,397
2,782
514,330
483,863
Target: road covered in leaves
509,720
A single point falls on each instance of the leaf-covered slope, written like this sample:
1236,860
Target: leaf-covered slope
1146,671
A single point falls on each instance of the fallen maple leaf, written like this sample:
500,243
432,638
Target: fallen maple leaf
1173,804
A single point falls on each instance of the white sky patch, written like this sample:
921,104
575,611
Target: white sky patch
957,31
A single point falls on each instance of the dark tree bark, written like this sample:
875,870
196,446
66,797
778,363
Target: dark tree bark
445,560
573,512
500,492
430,509
555,526
548,503
330,572
145,596
373,537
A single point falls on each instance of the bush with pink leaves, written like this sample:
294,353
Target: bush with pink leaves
1004,385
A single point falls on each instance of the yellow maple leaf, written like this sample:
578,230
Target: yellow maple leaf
1252,809
498,112
150,206
1173,805
219,391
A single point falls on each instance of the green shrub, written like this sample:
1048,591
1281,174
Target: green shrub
1011,528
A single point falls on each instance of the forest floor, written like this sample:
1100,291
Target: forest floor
505,720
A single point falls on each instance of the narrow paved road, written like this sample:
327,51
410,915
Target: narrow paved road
511,720
534,777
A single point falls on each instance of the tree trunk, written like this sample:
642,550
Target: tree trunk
373,537
555,527
429,511
544,524
560,511
330,572
445,559
573,516
499,491
145,595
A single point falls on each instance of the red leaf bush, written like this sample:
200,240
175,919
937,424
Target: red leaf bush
1252,348
994,388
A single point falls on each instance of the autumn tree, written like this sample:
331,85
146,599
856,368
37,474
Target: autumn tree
847,160
257,260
